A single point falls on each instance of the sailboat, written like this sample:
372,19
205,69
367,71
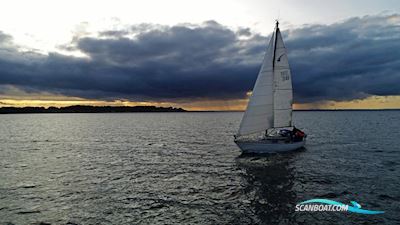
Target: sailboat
266,126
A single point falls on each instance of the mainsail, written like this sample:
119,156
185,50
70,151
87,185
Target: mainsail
283,93
270,104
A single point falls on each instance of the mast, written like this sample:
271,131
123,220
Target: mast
276,36
273,69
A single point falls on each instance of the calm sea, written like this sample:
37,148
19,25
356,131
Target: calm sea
183,168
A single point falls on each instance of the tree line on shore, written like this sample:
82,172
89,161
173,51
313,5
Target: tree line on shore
89,109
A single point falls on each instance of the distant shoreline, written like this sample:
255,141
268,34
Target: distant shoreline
88,109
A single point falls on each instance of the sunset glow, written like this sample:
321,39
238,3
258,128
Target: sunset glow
373,102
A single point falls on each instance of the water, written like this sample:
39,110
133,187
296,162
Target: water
183,168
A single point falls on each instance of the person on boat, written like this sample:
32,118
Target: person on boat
298,135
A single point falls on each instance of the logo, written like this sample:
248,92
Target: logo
285,75
332,206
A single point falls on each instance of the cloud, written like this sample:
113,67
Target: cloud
349,60
352,59
4,38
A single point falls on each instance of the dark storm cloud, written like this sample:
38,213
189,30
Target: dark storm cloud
347,60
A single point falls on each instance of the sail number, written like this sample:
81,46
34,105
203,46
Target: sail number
285,75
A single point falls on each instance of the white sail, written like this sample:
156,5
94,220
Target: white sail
270,104
283,93
259,113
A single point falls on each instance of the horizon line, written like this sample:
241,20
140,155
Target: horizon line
188,110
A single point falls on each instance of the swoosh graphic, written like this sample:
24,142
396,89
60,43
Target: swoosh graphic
356,208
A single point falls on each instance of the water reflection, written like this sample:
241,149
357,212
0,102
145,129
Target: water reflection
268,185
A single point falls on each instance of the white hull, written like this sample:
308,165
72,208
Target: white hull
266,146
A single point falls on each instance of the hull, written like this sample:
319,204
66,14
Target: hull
266,146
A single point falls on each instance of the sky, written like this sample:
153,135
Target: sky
199,55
